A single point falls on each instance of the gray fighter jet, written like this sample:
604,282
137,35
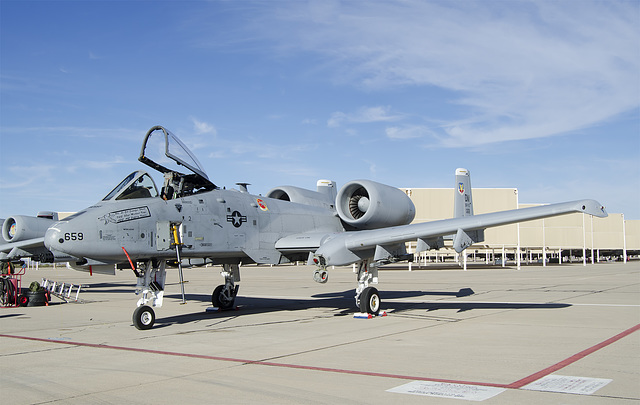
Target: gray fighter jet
191,220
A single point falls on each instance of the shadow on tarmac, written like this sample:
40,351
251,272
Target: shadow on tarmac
342,303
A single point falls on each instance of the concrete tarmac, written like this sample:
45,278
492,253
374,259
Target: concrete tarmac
562,334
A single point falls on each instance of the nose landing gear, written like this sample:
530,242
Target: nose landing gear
224,295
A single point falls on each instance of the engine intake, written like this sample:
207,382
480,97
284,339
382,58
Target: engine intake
365,204
22,227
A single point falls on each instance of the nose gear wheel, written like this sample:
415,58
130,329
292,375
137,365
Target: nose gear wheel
144,317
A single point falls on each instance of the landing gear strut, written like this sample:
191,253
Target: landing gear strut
367,298
151,279
224,296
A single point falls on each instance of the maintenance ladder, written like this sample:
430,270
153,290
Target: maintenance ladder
63,291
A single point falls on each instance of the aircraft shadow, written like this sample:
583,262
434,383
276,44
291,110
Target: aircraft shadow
110,288
463,292
10,315
468,306
342,303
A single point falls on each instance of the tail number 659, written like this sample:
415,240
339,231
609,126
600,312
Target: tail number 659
73,236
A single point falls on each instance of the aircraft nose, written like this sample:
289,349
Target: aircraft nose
53,239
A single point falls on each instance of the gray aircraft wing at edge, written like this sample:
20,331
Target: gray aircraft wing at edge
18,249
345,248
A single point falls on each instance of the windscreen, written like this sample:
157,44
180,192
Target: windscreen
136,185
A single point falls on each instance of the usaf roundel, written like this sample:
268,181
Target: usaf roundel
237,219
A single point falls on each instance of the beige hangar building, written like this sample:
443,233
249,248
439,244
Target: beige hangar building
568,238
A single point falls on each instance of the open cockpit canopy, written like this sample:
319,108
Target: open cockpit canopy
163,151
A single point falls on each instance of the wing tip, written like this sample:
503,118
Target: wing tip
593,207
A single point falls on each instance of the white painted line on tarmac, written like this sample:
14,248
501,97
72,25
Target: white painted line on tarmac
448,390
607,305
512,303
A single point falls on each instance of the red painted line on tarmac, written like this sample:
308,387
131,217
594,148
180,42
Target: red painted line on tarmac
564,363
515,385
245,361
124,348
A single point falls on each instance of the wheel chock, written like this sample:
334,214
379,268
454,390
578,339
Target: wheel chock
364,315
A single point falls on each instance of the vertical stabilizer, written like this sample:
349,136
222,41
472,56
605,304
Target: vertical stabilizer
463,202
463,207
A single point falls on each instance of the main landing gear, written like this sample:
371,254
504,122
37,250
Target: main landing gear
367,297
224,296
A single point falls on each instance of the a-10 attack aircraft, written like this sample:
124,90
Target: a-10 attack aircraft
191,219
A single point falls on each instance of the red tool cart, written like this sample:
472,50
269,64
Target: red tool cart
11,287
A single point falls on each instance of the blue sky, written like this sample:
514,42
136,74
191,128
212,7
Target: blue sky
541,96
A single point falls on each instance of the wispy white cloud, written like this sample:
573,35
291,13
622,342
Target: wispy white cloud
23,175
101,164
362,116
79,132
407,132
522,69
201,127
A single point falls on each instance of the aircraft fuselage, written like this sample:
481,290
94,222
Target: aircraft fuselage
219,224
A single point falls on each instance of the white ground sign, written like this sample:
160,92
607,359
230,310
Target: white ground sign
567,384
448,390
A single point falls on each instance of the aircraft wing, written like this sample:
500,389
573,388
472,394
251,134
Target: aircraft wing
33,248
16,250
350,247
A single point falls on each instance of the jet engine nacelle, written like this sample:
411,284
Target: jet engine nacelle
22,227
300,196
365,204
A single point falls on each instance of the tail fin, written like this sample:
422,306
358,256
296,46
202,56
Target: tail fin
463,202
463,207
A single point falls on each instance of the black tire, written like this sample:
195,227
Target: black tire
370,301
7,292
219,301
144,317
36,298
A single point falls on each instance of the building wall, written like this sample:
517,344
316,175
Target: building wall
572,231
632,232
